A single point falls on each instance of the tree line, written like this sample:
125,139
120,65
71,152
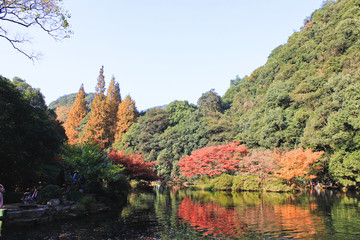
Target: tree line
296,117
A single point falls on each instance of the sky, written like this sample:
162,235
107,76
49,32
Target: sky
158,50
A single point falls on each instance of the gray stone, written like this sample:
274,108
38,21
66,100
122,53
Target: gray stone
13,215
53,202
33,213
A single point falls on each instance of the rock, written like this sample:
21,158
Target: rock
33,213
53,202
68,203
14,214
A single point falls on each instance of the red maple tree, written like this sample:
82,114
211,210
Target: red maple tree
259,163
135,165
213,160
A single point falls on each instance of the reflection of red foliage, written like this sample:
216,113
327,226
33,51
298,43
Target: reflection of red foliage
211,218
213,160
134,164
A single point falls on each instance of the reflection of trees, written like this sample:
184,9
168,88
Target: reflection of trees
137,203
211,218
246,214
299,222
269,214
345,218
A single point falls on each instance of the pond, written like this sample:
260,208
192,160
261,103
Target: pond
185,214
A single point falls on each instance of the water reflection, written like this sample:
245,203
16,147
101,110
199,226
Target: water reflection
211,218
186,214
269,214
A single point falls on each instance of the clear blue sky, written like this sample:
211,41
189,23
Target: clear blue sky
158,50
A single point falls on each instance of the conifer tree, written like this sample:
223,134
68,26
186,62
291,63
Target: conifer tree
113,99
76,115
96,127
127,115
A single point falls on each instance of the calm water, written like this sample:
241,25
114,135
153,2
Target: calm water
185,214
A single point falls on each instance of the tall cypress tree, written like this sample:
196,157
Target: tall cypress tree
76,115
113,99
97,125
127,115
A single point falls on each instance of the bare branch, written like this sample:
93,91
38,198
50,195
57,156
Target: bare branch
13,42
47,15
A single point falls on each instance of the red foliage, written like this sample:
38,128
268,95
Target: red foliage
260,163
135,166
213,160
211,218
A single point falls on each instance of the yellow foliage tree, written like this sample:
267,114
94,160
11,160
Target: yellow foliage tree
76,115
113,99
127,115
96,127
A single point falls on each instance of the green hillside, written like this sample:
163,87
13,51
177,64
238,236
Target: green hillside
306,95
69,100
62,105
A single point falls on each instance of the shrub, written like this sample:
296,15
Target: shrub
274,185
223,182
50,192
92,163
85,204
74,196
246,183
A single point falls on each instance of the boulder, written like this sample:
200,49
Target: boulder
53,202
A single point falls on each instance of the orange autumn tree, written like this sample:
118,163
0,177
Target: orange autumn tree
96,127
113,99
127,115
76,115
62,112
296,163
213,160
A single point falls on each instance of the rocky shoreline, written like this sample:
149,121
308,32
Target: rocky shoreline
18,215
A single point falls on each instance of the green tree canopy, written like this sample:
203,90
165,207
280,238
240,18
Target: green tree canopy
29,136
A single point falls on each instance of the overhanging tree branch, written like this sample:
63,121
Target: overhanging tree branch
14,43
48,15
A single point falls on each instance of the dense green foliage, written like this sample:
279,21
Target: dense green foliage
306,95
167,135
29,134
91,162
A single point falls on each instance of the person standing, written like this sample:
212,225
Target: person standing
2,189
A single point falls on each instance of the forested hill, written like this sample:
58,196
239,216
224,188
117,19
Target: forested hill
62,105
307,94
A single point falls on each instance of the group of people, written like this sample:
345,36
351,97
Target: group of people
76,180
